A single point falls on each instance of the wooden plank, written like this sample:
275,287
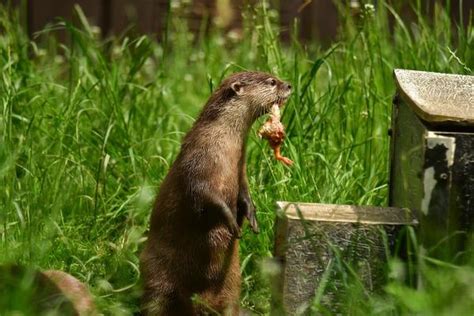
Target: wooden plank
161,12
436,97
372,215
46,11
432,159
288,12
138,16
406,158
462,181
125,13
311,238
318,19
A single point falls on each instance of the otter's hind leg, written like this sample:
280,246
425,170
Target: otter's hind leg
167,305
162,295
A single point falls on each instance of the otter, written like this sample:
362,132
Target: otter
190,262
73,291
44,292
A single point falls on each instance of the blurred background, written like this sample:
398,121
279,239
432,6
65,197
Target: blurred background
318,19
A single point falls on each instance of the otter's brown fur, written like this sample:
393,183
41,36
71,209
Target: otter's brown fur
73,290
192,247
45,292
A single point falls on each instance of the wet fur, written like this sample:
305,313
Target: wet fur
191,251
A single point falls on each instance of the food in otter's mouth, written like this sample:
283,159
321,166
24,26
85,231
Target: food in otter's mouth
274,131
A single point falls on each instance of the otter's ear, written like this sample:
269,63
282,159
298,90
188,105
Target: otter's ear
238,87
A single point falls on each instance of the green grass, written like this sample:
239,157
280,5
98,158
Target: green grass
89,129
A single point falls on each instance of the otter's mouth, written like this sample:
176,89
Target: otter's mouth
280,101
266,108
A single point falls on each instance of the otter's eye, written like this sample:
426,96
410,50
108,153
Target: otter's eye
273,82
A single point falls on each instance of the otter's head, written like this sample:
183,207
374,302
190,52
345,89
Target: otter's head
258,90
245,95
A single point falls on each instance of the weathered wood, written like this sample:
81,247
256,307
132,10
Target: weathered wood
345,213
44,12
438,98
320,246
319,19
143,16
432,157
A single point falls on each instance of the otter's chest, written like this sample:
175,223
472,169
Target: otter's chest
226,167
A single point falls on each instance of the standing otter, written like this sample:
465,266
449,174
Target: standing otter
190,264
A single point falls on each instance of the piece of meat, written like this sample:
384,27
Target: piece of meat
274,131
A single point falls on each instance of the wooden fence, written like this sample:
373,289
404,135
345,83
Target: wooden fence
319,18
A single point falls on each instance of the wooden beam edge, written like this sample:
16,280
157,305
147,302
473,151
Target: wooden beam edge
419,106
338,213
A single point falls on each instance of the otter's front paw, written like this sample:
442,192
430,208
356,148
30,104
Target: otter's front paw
235,230
252,217
247,208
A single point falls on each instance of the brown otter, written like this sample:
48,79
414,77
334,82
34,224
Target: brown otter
190,264
73,290
43,292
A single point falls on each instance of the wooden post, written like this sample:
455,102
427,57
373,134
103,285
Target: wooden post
314,241
432,157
